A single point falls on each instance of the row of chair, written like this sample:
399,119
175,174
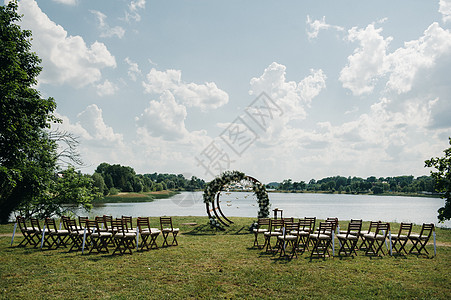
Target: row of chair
97,234
302,236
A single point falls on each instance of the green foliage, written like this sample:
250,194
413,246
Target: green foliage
442,177
65,190
403,184
27,155
125,179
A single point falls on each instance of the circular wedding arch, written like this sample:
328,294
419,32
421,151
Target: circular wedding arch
214,188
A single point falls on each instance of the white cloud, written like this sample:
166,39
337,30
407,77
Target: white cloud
98,141
313,27
205,96
133,10
445,10
65,59
292,97
67,2
367,62
106,88
92,121
108,31
133,69
405,63
370,62
164,118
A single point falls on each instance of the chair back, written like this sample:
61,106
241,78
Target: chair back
373,226
118,225
72,226
82,222
353,229
333,221
382,229
128,223
405,229
101,223
426,230
143,223
35,224
275,225
92,226
50,224
312,222
166,222
64,221
22,223
290,227
305,225
325,228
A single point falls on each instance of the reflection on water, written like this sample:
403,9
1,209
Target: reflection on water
386,208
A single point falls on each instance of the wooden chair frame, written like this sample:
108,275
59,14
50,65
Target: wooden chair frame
30,235
99,239
306,227
349,239
75,234
260,230
57,236
322,240
419,241
371,229
166,229
274,230
146,232
123,240
400,240
376,241
288,238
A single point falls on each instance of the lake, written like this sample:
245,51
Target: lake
417,210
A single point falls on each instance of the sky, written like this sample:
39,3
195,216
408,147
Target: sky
275,89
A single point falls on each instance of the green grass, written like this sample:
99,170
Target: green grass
210,264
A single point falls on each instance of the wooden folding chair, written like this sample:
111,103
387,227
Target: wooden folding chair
322,240
275,226
147,233
57,236
419,241
400,240
349,239
303,234
262,227
123,240
288,239
128,222
371,229
99,239
43,235
166,229
30,235
376,240
75,234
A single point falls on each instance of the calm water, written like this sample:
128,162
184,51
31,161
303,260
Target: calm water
386,208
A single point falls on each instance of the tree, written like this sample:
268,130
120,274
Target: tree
442,179
27,155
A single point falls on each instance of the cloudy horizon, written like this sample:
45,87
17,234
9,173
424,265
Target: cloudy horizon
296,90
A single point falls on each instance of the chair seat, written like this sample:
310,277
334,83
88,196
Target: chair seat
287,237
170,230
272,233
260,230
300,233
126,235
321,236
418,237
374,236
400,237
349,237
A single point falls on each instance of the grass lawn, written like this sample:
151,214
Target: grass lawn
210,264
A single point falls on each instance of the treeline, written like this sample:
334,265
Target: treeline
403,184
111,179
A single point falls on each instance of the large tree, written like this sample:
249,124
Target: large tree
442,177
27,154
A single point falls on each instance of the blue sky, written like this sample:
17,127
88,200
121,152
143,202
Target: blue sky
276,89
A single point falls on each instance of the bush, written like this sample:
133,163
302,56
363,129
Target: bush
113,191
